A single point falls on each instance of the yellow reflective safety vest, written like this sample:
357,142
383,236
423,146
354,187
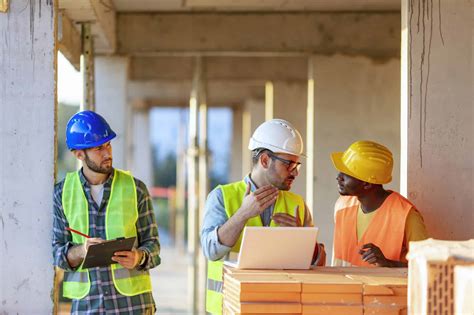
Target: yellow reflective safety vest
120,218
233,195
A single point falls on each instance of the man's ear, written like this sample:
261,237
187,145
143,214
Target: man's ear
79,154
367,186
264,160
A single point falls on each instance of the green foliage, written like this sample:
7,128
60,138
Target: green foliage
164,170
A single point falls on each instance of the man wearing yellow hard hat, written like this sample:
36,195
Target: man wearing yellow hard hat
373,226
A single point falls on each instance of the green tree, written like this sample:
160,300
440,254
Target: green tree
164,174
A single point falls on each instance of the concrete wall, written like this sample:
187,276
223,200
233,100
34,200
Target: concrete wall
356,98
235,173
111,75
437,105
27,140
290,102
253,116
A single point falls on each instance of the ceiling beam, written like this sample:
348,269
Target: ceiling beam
101,13
69,42
220,68
176,93
370,34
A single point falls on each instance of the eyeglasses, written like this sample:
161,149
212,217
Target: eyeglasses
291,165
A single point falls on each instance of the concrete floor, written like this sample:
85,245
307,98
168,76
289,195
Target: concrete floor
169,282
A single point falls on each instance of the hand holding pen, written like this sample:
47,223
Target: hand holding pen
89,240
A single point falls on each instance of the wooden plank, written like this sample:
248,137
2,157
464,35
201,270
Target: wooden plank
332,309
327,283
263,283
230,310
331,298
233,294
382,285
385,300
384,310
265,307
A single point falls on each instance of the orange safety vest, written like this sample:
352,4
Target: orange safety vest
386,230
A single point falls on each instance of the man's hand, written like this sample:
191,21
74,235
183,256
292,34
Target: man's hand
128,259
89,242
373,255
76,253
255,202
283,219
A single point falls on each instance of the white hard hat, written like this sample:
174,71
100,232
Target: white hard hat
279,136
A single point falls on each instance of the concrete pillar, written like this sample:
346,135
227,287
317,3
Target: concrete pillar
111,74
355,98
437,114
27,138
236,147
180,184
253,115
142,165
290,103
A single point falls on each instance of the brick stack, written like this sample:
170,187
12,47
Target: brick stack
432,265
464,289
324,290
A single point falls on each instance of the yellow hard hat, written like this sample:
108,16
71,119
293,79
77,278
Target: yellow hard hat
365,160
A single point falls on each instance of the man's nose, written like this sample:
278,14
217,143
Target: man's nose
339,177
295,172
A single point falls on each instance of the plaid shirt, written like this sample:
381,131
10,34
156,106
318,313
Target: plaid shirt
103,298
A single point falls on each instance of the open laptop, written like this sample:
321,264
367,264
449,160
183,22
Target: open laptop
276,248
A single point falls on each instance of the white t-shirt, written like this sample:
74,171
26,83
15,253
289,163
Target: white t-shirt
97,192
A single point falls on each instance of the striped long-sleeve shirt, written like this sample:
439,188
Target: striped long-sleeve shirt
103,297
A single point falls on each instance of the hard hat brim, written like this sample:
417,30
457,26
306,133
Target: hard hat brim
93,144
336,158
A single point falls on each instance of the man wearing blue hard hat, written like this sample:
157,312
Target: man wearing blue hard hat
99,203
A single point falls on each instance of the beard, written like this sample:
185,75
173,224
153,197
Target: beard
281,184
98,168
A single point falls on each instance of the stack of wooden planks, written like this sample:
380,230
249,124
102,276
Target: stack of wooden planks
323,290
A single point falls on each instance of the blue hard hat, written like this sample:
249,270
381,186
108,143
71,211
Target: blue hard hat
87,129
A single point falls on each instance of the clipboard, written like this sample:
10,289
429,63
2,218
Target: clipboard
100,255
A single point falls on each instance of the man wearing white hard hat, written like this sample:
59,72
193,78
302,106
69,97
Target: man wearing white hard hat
262,198
374,226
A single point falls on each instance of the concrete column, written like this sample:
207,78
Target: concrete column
180,184
142,165
290,102
253,115
237,145
111,74
437,114
27,138
355,98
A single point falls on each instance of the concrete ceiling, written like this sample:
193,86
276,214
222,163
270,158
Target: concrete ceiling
255,5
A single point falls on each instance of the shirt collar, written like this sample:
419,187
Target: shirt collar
85,183
247,180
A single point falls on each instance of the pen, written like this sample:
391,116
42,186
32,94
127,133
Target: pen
77,232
